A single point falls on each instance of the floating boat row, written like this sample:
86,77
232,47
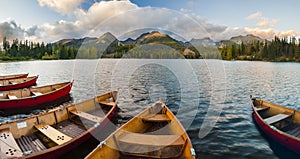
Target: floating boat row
279,123
154,133
16,96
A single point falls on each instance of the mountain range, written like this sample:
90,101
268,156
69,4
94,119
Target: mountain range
109,44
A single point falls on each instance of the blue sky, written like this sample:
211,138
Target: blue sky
50,20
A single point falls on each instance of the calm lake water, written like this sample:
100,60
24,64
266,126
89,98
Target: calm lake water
190,88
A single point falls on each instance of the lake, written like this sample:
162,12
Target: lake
199,92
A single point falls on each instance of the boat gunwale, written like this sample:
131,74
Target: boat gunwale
15,76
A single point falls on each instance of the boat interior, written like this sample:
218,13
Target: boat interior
56,127
30,92
152,134
15,81
282,118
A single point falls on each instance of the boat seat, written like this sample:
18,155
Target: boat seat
8,145
156,118
37,93
276,118
111,103
261,108
151,140
87,116
55,135
12,97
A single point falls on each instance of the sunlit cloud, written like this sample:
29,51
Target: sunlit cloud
261,20
65,7
255,15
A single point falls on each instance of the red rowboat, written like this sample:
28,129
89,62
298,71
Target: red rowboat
30,98
280,123
7,77
17,83
58,131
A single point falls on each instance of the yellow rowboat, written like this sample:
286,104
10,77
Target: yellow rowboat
155,133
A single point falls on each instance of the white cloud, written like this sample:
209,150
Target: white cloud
262,21
265,28
123,17
11,30
61,6
270,33
263,33
287,33
255,15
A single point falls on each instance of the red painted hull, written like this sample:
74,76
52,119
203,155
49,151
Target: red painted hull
280,137
8,77
37,100
19,85
56,152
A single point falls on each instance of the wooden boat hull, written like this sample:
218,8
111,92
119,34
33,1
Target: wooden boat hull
51,119
25,84
11,105
138,139
57,152
280,137
8,77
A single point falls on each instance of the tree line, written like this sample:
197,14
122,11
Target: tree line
279,49
26,50
284,49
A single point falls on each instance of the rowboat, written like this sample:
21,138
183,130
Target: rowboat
24,100
17,83
154,133
7,77
280,123
57,131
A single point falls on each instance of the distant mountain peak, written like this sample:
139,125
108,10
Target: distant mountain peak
106,37
246,38
155,34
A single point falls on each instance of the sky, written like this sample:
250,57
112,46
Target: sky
52,20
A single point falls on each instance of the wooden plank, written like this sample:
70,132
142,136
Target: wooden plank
261,108
276,118
87,116
107,103
37,93
56,136
151,140
8,145
157,118
12,97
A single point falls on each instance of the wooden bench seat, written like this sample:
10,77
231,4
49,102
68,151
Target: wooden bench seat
151,140
87,116
8,145
107,103
55,135
12,97
37,93
261,108
156,118
276,118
